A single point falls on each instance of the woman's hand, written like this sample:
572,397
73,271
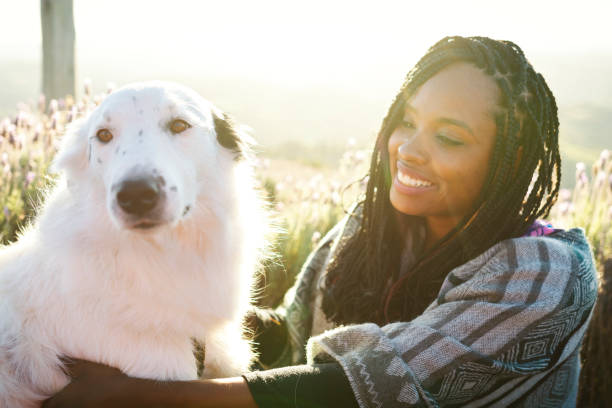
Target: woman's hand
95,385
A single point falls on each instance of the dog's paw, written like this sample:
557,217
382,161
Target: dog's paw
226,355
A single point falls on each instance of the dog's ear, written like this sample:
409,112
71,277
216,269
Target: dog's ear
230,137
72,153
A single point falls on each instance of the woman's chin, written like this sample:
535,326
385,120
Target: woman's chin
410,200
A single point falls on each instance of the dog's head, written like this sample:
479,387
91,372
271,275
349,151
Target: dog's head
151,149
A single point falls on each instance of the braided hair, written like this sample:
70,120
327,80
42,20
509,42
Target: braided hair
363,282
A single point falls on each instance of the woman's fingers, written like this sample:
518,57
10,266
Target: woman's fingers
93,385
77,368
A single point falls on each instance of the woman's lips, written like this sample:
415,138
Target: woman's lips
411,179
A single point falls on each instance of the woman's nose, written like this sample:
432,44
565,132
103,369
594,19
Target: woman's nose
411,150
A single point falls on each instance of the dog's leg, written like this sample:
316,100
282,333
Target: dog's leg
227,353
35,376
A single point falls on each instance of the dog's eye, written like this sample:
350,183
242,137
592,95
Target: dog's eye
104,135
178,126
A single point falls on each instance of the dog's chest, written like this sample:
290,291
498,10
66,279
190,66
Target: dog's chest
145,355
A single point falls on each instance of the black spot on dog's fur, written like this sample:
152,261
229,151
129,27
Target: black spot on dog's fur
140,112
89,152
108,118
154,171
228,137
186,210
117,150
123,153
161,181
174,189
140,132
99,160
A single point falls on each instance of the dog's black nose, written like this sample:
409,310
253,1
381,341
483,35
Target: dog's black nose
138,196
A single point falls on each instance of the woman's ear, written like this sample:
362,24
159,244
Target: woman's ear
73,151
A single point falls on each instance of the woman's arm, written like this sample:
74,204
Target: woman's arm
96,385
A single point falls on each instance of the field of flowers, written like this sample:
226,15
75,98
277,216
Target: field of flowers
306,201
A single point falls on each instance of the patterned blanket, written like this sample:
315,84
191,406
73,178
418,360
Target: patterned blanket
505,329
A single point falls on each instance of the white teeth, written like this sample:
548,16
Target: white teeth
409,181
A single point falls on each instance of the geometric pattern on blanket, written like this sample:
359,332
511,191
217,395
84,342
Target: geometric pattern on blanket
430,362
533,353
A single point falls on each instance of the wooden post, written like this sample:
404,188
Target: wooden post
57,24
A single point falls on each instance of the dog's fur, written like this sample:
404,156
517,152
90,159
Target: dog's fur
87,281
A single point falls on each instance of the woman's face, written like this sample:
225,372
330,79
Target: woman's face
439,153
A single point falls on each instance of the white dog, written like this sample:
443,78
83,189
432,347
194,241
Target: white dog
149,240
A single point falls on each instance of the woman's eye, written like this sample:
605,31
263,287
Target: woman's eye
178,126
448,141
407,124
104,135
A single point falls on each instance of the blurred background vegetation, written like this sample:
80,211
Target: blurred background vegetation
306,199
311,77
313,80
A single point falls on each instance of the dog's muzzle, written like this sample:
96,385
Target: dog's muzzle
138,196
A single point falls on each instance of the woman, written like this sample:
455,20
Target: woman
441,287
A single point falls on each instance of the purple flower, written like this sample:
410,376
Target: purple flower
87,86
20,119
53,106
604,157
55,120
37,133
42,102
580,170
600,180
316,236
565,194
7,213
565,208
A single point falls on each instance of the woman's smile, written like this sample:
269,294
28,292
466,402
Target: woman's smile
439,152
409,181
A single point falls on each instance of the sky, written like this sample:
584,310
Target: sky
279,39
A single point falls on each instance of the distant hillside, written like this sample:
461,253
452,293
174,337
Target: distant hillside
19,82
314,122
585,131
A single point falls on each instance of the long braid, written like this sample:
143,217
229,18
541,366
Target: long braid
362,279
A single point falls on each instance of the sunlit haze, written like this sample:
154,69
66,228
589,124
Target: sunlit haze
315,69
